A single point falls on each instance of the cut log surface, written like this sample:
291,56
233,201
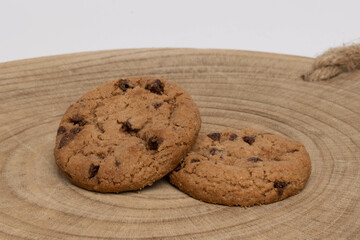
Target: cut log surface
233,89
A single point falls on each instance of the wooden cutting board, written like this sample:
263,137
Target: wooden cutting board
233,89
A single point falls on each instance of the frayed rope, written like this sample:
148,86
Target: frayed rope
334,62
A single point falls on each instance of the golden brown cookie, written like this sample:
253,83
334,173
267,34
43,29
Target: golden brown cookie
246,168
126,134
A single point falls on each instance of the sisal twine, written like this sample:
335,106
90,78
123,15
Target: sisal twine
334,62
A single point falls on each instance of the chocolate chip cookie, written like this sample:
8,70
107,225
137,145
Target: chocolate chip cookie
126,134
247,167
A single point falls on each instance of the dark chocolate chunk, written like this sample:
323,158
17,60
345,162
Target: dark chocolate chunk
194,160
75,130
77,119
124,84
156,87
254,159
117,163
154,143
65,139
233,137
157,105
249,139
280,185
214,136
61,130
93,170
100,155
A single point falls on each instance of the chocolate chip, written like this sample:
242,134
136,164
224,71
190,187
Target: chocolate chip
127,127
156,87
124,84
292,151
213,151
178,168
254,159
280,185
75,130
117,163
249,139
61,130
93,170
171,101
157,105
101,156
194,160
154,143
77,119
214,136
65,139
68,137
233,137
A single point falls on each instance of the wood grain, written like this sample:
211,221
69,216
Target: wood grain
233,89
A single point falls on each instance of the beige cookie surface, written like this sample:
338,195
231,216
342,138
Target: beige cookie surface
247,167
126,134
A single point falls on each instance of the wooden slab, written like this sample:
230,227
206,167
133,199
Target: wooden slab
233,89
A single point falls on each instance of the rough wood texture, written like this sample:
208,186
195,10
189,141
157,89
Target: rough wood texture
233,89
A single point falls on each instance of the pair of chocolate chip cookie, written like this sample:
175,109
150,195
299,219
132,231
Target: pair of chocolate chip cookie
127,134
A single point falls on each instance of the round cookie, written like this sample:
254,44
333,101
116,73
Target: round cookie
247,167
126,134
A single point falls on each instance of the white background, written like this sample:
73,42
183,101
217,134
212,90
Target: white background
33,28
